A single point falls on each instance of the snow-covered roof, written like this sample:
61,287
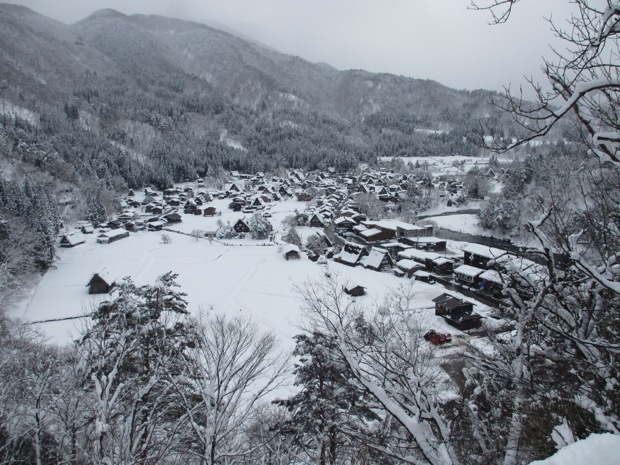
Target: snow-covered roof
484,250
344,219
407,264
105,276
288,248
114,233
429,239
374,258
492,276
73,238
350,253
421,274
467,270
393,225
369,232
419,254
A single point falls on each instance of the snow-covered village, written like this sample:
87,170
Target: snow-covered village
218,246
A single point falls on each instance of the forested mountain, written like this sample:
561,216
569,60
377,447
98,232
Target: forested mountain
161,100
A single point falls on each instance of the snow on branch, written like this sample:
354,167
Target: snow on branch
609,24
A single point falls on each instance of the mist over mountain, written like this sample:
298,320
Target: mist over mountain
135,100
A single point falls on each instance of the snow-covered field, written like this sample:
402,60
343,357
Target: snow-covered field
240,277
464,223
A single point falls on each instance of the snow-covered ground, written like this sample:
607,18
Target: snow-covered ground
464,223
596,449
244,277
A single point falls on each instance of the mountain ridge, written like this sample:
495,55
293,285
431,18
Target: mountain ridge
164,91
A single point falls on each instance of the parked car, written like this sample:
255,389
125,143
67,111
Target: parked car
436,338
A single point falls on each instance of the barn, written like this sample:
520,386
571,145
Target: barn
100,283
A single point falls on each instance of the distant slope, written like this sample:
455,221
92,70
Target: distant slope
145,99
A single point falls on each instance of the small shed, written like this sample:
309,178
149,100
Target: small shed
354,290
100,283
291,252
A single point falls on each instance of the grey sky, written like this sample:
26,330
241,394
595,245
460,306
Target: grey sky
428,39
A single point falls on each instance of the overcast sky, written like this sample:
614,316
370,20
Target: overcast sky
427,39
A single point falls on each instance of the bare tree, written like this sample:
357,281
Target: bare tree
230,371
30,373
387,358
584,78
566,323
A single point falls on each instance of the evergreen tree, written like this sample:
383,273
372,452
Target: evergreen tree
330,411
292,236
136,343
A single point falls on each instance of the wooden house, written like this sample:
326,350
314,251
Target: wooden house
370,234
464,320
87,229
480,255
409,267
378,259
135,226
433,262
155,225
284,192
431,244
112,236
241,226
100,283
351,253
491,283
210,211
467,275
394,247
458,313
442,266
173,218
446,303
424,276
71,240
318,221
